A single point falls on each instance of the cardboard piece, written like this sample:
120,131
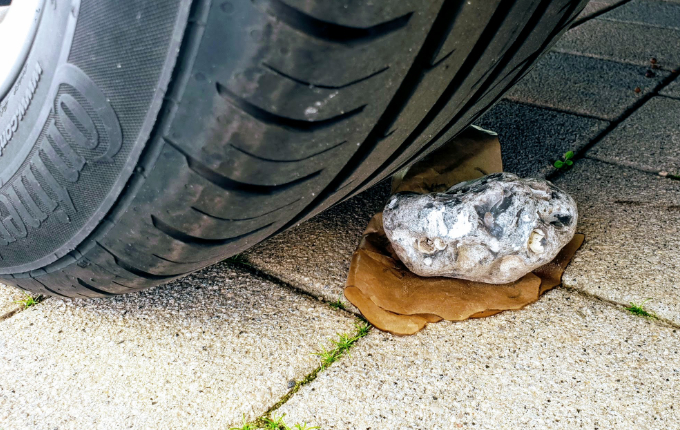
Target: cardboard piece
394,299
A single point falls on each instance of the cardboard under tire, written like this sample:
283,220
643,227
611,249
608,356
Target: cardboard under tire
396,300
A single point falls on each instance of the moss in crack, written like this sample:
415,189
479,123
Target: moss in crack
238,260
341,346
639,310
338,304
28,300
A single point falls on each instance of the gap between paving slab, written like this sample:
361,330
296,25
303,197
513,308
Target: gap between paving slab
595,8
199,352
563,362
623,42
8,301
649,139
585,86
631,220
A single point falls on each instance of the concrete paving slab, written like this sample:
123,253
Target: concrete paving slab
672,90
631,220
197,353
564,362
594,7
585,86
656,13
533,138
8,298
649,139
322,247
623,41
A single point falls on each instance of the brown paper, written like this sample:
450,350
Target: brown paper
472,154
396,300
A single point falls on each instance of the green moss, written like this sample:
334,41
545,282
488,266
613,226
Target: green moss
639,310
29,301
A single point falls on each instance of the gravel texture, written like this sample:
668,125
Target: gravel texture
649,139
564,362
672,90
533,138
315,256
198,353
631,220
623,41
583,85
8,297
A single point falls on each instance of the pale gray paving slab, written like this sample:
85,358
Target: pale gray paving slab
656,13
197,353
315,256
631,220
672,90
649,139
594,7
532,138
623,41
8,300
584,85
564,362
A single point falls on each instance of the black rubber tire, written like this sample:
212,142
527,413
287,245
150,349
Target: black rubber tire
151,139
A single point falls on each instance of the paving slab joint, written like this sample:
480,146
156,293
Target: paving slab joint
598,13
243,264
664,322
342,347
22,305
581,153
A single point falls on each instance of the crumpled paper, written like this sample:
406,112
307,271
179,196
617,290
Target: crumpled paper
398,301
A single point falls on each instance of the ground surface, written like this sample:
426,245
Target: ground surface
238,339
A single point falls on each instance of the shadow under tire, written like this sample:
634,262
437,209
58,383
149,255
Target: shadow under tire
142,143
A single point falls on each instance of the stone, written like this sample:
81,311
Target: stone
494,229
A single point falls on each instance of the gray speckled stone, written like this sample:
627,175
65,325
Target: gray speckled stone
532,138
672,90
564,362
494,229
649,139
583,85
623,41
196,354
631,221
